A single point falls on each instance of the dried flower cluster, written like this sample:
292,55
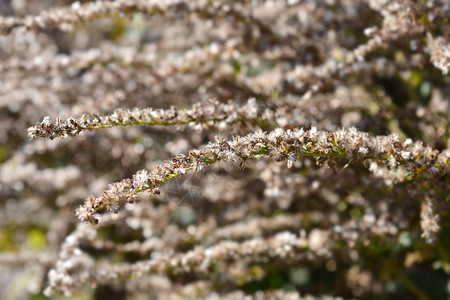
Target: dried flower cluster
440,54
224,149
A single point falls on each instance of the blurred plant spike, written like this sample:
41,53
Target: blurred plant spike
224,149
77,13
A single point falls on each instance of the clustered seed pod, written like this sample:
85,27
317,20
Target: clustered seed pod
224,149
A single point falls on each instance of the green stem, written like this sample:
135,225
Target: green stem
411,285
